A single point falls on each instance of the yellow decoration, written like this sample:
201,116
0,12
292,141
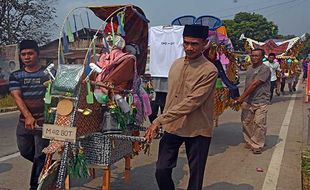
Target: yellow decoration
85,111
64,107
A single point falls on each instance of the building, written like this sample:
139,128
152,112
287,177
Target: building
77,49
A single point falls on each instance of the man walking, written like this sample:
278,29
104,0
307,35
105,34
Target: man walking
188,113
274,69
27,89
254,102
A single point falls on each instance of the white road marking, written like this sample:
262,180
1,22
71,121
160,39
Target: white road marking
2,159
7,113
272,175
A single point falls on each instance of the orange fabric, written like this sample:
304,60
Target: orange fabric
222,30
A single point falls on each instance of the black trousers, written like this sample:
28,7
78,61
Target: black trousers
30,144
282,84
273,85
159,102
197,149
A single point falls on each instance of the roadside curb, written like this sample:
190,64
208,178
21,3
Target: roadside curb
8,109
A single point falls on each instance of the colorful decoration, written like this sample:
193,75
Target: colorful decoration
90,95
121,25
289,47
66,44
69,31
77,165
75,99
123,119
285,51
48,97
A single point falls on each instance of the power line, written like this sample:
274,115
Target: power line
275,11
262,8
235,8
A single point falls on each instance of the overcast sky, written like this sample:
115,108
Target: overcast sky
292,16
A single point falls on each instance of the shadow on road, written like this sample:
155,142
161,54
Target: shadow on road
271,141
228,186
144,177
81,182
277,99
4,167
141,177
230,134
225,135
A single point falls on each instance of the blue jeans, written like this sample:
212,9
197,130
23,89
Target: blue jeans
30,145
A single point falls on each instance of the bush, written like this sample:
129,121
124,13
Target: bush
305,167
7,101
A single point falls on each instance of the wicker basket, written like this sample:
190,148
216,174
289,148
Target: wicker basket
88,124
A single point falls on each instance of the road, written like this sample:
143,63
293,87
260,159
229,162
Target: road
230,166
8,123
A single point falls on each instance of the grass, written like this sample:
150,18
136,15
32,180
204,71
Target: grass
7,101
305,166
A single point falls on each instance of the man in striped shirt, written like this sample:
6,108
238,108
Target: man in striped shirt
27,89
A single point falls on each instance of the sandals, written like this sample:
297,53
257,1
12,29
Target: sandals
254,150
257,150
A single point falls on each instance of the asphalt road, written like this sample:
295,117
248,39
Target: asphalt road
8,123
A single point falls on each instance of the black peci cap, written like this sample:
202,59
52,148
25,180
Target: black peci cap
196,31
29,44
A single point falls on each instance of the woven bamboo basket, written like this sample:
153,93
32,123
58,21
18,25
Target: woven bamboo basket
88,124
104,150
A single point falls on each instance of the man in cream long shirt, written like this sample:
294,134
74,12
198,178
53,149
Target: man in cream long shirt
188,113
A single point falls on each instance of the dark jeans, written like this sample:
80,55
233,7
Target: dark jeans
30,145
282,84
273,85
197,149
159,101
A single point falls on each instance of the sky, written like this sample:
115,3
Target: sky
291,16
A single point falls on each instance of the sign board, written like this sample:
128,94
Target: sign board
9,60
62,133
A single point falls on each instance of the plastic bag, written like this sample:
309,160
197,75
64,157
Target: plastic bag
109,124
67,80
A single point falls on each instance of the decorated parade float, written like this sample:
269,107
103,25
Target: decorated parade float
220,52
94,111
286,52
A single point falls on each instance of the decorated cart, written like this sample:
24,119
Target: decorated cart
220,52
95,110
286,52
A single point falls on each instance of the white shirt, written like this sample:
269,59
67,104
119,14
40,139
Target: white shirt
166,45
275,66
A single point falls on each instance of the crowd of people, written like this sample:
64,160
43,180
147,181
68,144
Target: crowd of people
285,71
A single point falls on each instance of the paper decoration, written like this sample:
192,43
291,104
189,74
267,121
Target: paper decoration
69,31
66,44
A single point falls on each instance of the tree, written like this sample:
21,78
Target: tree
305,50
252,25
286,37
26,19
